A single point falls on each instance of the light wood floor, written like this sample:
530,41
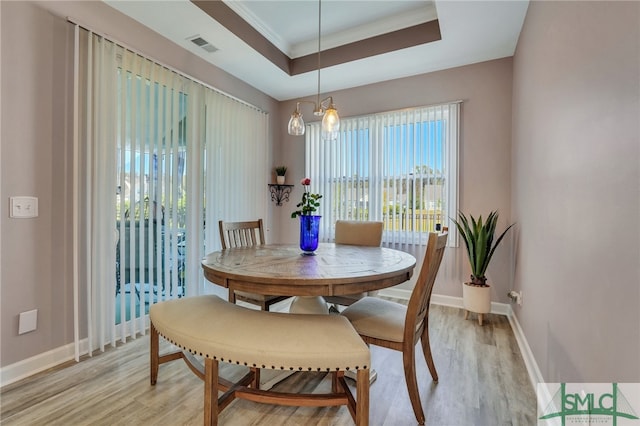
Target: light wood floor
482,382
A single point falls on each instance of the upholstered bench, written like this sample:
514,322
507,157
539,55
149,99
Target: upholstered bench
217,330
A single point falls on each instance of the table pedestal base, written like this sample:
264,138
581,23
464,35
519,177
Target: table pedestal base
373,375
269,378
308,305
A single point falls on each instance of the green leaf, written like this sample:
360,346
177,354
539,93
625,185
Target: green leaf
478,237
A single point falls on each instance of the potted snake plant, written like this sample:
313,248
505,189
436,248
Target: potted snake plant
478,236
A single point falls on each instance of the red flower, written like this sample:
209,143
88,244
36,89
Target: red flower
310,202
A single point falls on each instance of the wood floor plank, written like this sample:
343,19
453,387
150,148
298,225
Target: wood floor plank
483,381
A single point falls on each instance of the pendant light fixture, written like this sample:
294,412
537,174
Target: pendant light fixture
325,108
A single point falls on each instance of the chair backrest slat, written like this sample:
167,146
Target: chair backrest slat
418,308
241,234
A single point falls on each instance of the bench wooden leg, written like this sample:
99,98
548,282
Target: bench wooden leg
362,398
154,352
210,392
256,378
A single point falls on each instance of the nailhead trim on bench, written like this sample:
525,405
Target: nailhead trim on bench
204,310
328,370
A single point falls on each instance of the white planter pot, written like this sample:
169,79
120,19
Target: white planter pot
476,299
280,180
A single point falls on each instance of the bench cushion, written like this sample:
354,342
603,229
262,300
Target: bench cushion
211,327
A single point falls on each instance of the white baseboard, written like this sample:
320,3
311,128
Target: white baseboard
535,376
441,299
30,366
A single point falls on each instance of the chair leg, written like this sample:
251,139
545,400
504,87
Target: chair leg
210,392
362,398
256,378
154,354
426,349
408,358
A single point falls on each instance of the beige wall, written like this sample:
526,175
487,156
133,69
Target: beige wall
36,269
576,188
485,151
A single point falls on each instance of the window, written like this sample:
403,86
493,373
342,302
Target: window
399,167
153,151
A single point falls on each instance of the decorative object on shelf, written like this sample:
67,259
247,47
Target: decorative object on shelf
478,238
279,193
309,223
281,171
325,108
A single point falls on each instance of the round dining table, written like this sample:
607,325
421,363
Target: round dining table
282,270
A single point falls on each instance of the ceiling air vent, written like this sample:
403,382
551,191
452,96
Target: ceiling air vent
200,42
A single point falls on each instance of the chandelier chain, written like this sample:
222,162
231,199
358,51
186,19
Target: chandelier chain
319,35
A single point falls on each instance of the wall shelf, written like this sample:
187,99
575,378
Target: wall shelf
279,193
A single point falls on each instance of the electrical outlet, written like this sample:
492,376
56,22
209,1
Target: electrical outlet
23,207
515,296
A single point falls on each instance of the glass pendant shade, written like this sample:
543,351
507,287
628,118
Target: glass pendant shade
330,123
296,124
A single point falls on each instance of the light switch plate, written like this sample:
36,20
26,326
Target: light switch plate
23,207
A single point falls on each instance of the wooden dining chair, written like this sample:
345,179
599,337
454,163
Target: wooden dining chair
356,233
244,234
394,326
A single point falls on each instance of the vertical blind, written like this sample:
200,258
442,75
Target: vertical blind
157,152
399,167
236,164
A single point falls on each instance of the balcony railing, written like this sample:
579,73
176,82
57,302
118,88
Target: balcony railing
418,221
